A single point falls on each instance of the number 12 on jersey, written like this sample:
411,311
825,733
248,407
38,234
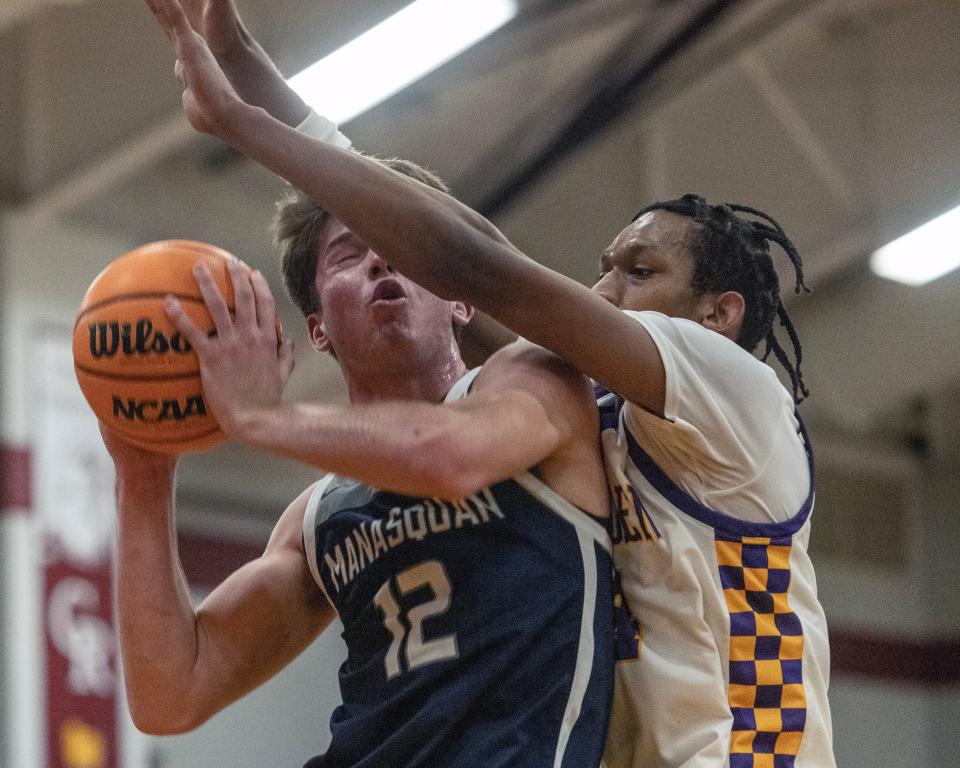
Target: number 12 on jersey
415,649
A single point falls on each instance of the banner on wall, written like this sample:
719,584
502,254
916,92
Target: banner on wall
75,509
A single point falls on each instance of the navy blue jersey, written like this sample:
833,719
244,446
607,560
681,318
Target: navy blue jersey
479,631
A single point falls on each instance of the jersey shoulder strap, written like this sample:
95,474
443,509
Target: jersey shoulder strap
310,524
462,387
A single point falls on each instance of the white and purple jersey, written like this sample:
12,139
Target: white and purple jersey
722,653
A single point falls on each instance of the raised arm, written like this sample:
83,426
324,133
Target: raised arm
438,242
182,665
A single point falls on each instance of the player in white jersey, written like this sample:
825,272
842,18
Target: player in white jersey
721,642
725,657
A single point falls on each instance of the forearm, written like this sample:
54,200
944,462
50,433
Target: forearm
157,624
248,68
388,447
418,449
441,244
427,235
258,81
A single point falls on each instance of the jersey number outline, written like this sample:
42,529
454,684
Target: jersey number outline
418,651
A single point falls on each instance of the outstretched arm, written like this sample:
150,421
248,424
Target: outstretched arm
182,665
443,245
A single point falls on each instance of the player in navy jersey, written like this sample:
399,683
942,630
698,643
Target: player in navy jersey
498,678
466,555
474,590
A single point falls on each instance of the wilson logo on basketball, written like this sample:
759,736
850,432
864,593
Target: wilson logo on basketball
140,338
155,411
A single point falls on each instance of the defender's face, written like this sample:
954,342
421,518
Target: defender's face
365,304
649,266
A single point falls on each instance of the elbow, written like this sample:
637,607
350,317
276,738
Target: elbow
154,725
155,720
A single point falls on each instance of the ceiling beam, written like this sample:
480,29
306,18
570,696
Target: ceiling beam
617,87
109,171
796,125
14,11
633,74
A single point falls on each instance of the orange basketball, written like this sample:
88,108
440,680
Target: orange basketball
138,373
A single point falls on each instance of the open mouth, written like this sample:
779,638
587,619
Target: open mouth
388,290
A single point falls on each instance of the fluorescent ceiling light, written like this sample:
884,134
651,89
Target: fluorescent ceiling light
925,254
396,53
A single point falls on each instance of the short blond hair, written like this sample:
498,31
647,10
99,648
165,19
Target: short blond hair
297,224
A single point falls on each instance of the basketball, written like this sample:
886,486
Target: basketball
137,372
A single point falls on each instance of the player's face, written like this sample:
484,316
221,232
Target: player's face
367,307
649,266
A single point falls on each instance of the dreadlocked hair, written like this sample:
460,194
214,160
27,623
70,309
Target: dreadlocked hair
732,254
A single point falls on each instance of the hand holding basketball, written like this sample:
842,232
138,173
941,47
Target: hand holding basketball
139,373
242,367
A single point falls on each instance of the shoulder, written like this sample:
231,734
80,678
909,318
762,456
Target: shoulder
532,380
533,371
288,532
522,361
677,335
725,411
701,364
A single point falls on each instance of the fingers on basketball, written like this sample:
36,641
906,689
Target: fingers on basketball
136,361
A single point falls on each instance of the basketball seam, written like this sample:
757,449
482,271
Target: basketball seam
186,439
203,249
143,295
133,377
